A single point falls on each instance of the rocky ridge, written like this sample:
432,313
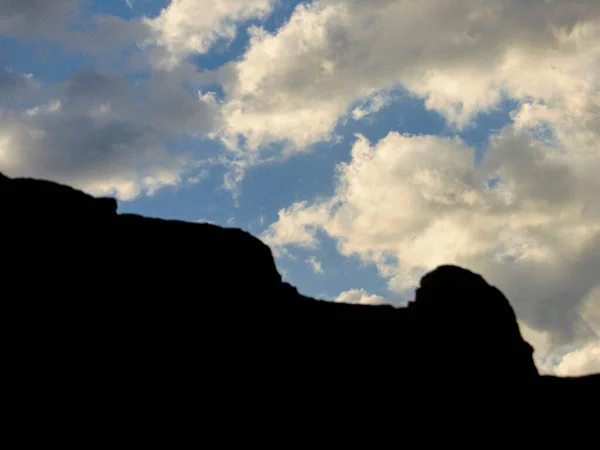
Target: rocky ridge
132,305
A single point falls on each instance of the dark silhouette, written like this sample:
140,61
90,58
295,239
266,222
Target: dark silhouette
139,316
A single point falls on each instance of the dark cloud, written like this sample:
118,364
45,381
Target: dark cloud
10,80
90,87
17,89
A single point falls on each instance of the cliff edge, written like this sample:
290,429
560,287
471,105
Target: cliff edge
103,307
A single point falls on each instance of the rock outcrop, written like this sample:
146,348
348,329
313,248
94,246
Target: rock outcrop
120,309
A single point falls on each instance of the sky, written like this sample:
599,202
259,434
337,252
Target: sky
365,142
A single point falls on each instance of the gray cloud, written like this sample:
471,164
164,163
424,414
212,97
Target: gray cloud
33,17
16,88
94,129
98,133
10,80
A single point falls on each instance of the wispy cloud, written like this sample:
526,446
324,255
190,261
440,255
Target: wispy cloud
315,265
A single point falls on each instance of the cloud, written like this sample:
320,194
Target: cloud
17,89
187,27
294,85
30,17
527,217
98,133
359,297
315,265
410,203
370,106
10,80
172,105
574,360
181,29
582,361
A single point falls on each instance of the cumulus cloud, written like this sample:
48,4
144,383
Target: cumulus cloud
370,106
410,203
461,57
359,297
582,361
574,360
527,217
41,134
96,132
187,27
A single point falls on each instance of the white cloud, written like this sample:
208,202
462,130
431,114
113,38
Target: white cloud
296,225
370,106
181,29
575,360
95,131
410,203
405,203
315,265
359,297
461,57
582,361
188,27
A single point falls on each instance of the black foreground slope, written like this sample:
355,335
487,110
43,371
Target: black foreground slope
119,312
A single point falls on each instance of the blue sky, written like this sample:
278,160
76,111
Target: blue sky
364,144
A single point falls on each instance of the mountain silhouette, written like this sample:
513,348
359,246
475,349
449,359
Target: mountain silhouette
125,316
